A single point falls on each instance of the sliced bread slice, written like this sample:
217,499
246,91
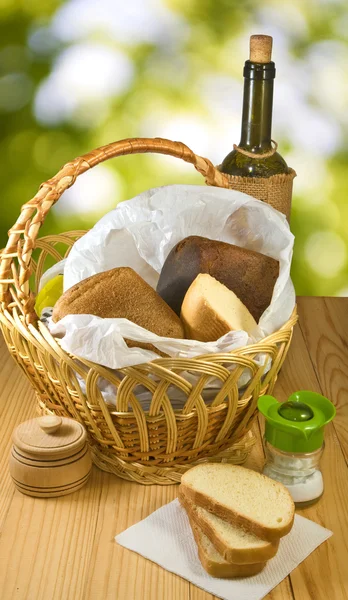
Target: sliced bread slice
210,310
242,497
233,543
213,562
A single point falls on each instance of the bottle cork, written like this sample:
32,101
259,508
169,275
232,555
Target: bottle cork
261,48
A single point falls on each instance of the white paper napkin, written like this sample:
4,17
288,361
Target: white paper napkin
165,537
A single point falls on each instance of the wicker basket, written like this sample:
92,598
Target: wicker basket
154,446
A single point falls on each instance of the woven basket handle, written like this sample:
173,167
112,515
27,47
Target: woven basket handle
23,234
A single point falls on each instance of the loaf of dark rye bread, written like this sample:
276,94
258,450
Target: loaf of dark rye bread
121,293
250,275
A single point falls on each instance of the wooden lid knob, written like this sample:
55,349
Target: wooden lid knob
49,436
261,48
49,423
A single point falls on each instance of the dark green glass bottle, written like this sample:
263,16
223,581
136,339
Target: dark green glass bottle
256,138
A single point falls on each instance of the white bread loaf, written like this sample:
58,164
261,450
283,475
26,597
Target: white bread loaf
210,310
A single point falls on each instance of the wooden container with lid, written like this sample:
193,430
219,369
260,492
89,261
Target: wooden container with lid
50,457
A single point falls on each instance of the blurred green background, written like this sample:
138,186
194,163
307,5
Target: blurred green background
78,74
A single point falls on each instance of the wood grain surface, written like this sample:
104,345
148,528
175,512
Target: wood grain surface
64,548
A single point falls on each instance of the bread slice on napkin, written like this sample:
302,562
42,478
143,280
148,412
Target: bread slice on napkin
120,293
210,310
215,564
233,543
241,497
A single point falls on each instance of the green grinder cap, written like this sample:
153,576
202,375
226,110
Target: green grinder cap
298,424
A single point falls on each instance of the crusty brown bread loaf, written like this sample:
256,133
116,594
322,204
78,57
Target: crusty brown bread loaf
250,275
120,293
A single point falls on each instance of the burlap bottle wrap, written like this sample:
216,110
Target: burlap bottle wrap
275,190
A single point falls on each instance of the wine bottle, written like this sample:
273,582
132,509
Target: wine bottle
256,155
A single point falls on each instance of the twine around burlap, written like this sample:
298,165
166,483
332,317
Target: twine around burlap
272,151
275,190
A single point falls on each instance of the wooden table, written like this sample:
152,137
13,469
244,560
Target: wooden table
64,548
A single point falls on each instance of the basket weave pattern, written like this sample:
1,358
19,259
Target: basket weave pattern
158,444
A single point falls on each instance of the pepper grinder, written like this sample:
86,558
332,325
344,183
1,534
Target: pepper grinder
50,457
294,442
